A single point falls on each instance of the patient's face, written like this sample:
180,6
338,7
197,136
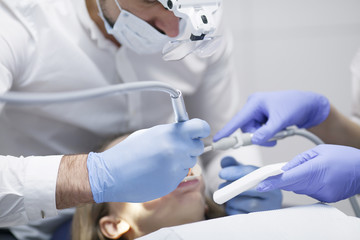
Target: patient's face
184,205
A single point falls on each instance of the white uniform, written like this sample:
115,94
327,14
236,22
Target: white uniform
54,46
355,70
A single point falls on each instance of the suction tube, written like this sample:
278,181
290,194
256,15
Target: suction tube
57,97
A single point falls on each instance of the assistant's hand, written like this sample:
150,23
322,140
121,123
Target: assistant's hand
148,164
328,173
267,113
251,200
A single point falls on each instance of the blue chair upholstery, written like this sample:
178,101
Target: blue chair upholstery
63,232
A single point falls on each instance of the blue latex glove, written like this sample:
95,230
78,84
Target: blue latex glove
148,164
267,113
328,173
251,200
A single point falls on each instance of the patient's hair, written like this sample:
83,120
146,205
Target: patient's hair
85,225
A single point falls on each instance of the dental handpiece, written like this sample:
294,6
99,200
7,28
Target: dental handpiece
61,97
239,139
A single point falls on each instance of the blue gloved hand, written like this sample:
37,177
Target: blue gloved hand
148,164
328,173
267,113
251,200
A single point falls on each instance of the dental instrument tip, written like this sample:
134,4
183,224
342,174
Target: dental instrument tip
208,149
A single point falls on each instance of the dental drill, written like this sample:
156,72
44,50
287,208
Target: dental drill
60,97
252,179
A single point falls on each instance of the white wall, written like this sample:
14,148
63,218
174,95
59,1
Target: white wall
296,44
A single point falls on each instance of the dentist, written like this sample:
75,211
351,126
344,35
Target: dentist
68,45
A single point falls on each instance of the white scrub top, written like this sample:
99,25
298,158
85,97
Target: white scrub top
355,70
54,46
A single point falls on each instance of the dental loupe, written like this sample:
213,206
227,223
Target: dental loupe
201,19
199,13
60,97
252,179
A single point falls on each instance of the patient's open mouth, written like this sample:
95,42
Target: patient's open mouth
194,173
189,178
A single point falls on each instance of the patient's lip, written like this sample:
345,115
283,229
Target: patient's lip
189,185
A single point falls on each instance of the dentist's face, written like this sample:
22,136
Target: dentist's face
151,11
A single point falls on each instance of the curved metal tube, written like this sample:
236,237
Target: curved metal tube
60,97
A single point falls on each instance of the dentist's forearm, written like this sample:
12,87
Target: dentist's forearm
338,129
73,187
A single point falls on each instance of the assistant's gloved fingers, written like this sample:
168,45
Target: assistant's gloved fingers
251,126
243,204
288,180
295,171
234,211
271,183
241,118
267,131
224,184
300,159
252,201
228,161
271,199
196,128
233,173
268,144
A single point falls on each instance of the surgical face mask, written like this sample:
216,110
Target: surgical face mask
134,33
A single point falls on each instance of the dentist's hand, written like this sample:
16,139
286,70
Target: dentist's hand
148,164
267,113
328,173
251,200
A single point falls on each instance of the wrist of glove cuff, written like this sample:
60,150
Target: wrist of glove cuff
96,169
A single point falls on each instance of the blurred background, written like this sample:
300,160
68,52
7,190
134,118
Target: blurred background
298,44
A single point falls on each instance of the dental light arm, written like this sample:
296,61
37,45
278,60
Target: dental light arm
199,13
39,98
